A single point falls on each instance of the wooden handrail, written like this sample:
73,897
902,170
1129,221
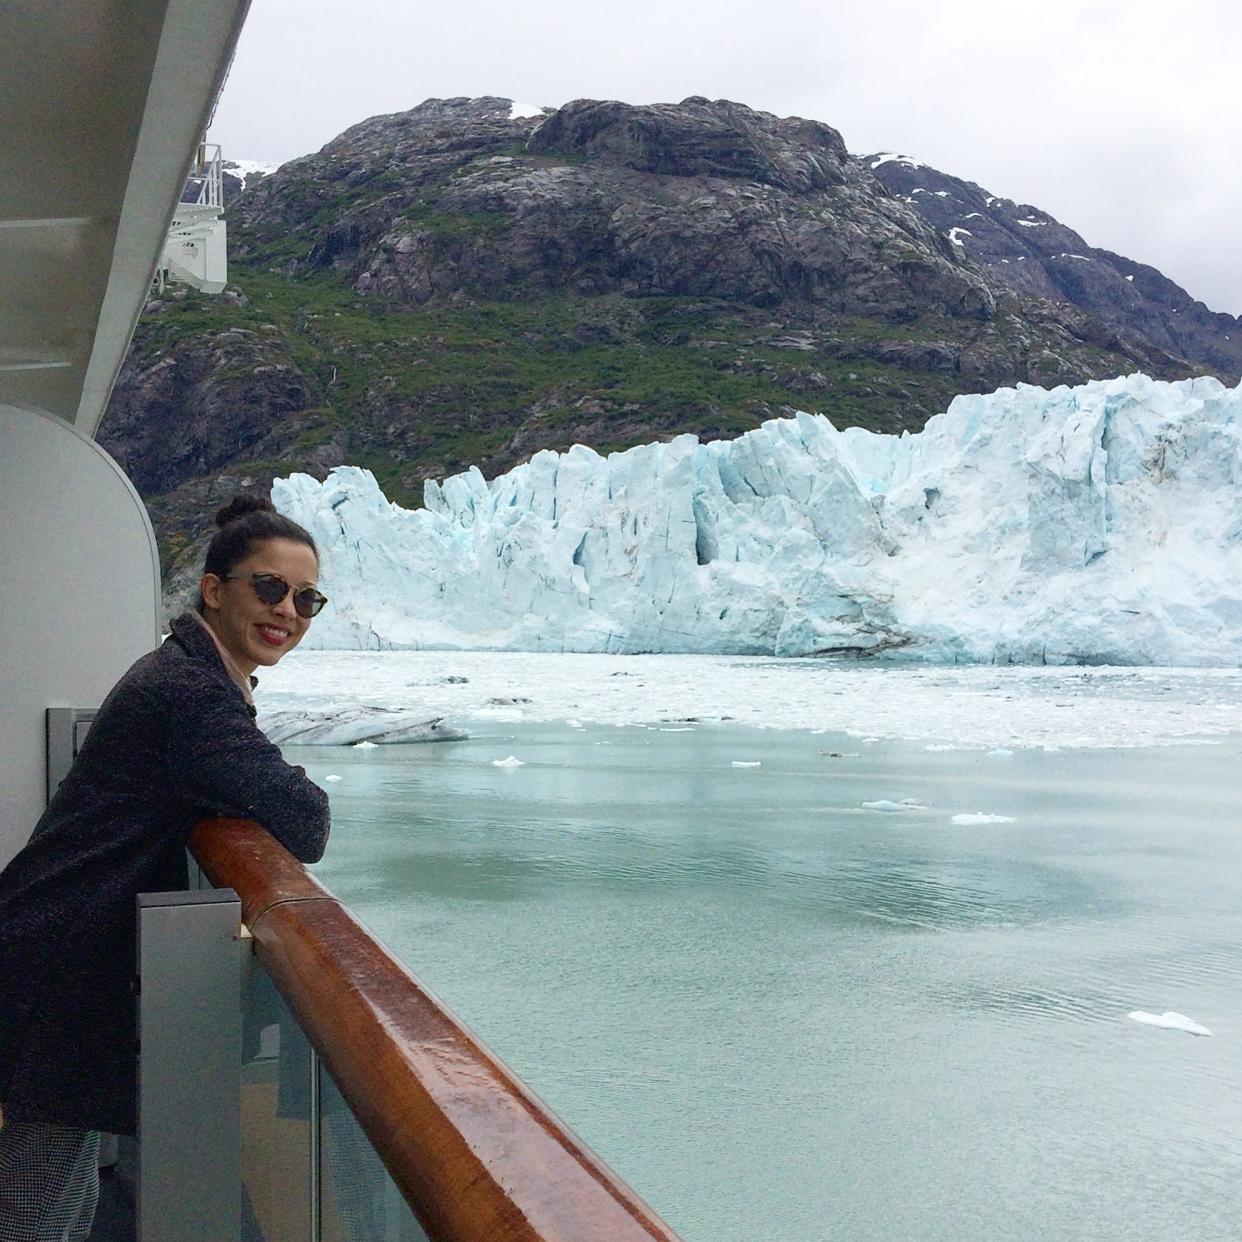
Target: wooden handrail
477,1156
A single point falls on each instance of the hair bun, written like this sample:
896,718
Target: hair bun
240,506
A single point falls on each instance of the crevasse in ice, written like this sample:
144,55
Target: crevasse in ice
1095,524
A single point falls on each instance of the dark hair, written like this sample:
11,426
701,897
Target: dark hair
244,522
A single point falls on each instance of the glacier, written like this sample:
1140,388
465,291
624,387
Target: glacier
1097,524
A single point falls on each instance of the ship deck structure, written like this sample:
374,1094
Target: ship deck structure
277,1034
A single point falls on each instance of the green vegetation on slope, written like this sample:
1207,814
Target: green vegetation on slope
416,392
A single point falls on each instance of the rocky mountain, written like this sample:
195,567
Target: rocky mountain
464,284
1037,256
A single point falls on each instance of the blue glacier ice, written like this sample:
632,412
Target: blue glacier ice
1094,524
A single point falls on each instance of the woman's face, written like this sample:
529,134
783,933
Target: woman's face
253,632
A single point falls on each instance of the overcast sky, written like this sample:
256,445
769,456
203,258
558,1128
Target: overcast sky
1120,119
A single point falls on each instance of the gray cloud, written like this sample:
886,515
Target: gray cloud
1118,118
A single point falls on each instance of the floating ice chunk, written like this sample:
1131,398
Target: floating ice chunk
511,762
676,728
1170,1021
333,777
980,817
574,724
1000,750
747,763
348,725
887,804
941,746
365,745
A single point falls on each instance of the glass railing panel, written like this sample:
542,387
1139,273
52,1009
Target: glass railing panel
359,1202
277,1118
309,1170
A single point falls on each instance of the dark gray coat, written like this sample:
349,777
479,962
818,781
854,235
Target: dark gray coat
174,741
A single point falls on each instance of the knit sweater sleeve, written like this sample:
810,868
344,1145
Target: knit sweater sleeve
221,763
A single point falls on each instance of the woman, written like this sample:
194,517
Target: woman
174,741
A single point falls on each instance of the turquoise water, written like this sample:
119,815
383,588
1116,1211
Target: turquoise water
784,1018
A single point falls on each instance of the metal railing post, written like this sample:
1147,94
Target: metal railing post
190,1035
315,1188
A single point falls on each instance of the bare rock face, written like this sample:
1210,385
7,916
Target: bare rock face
216,397
697,138
1029,251
699,199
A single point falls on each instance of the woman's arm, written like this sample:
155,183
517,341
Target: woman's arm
222,763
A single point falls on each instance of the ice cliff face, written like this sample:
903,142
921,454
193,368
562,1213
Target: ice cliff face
1097,524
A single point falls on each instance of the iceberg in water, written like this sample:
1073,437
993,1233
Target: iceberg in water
354,724
1095,524
1170,1021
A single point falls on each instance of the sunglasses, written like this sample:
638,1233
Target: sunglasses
272,589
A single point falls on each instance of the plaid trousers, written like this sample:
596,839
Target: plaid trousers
49,1182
